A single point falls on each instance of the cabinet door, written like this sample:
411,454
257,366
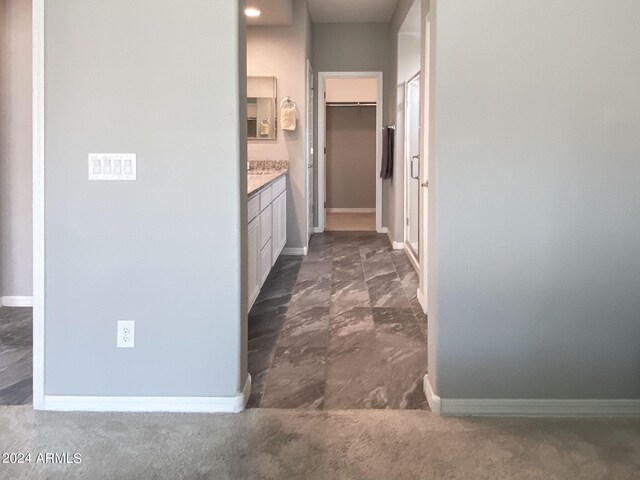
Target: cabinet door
253,276
265,263
279,230
266,225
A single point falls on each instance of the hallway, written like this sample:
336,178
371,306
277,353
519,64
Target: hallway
339,329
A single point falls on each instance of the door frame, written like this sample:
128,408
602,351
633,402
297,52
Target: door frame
309,153
322,139
426,159
407,165
38,203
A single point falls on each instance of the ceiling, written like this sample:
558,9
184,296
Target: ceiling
352,11
274,12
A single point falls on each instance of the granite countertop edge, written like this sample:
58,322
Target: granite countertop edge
260,181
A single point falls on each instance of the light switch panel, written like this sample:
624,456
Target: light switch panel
112,166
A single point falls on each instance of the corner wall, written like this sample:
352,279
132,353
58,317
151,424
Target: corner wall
15,149
536,201
165,80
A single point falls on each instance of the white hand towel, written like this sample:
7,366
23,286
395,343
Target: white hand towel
288,118
265,129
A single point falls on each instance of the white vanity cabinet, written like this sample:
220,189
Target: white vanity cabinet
267,215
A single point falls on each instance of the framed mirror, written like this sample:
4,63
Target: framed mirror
261,108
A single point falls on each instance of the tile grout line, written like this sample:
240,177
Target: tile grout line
275,345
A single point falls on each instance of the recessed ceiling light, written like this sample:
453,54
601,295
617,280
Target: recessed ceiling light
252,12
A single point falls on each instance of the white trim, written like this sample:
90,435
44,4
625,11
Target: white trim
350,210
426,153
318,230
421,300
530,407
309,148
394,245
235,404
383,230
434,401
16,301
322,134
296,251
38,203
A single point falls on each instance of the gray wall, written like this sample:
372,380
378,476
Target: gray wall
15,148
351,157
283,52
355,47
145,76
536,200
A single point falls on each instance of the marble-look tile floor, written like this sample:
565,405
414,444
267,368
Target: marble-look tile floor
16,327
339,329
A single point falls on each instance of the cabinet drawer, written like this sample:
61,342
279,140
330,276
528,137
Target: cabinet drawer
265,225
279,187
265,262
266,197
253,208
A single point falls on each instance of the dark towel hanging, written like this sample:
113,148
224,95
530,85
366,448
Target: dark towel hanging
388,148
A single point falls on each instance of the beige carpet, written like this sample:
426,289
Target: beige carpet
350,222
300,445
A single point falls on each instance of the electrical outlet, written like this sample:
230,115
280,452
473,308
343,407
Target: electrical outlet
126,334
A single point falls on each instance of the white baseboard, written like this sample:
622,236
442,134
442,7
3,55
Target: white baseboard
351,210
383,230
301,252
395,245
433,400
234,404
421,300
530,407
318,230
16,301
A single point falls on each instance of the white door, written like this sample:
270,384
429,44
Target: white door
425,149
310,139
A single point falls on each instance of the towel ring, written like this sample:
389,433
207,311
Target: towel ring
287,102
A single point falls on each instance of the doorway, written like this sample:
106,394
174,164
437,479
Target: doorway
350,106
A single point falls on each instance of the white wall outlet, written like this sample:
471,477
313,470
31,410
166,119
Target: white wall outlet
112,166
126,334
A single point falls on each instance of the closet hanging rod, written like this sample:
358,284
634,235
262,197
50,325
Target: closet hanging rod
354,104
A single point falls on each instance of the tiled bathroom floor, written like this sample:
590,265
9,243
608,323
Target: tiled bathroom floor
16,327
339,329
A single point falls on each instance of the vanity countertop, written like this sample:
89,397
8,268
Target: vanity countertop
258,180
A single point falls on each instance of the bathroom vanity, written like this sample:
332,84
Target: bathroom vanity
267,217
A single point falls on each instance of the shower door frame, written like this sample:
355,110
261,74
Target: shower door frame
414,257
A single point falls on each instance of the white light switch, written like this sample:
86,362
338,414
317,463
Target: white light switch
112,166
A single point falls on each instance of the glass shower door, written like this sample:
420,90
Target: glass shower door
412,161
